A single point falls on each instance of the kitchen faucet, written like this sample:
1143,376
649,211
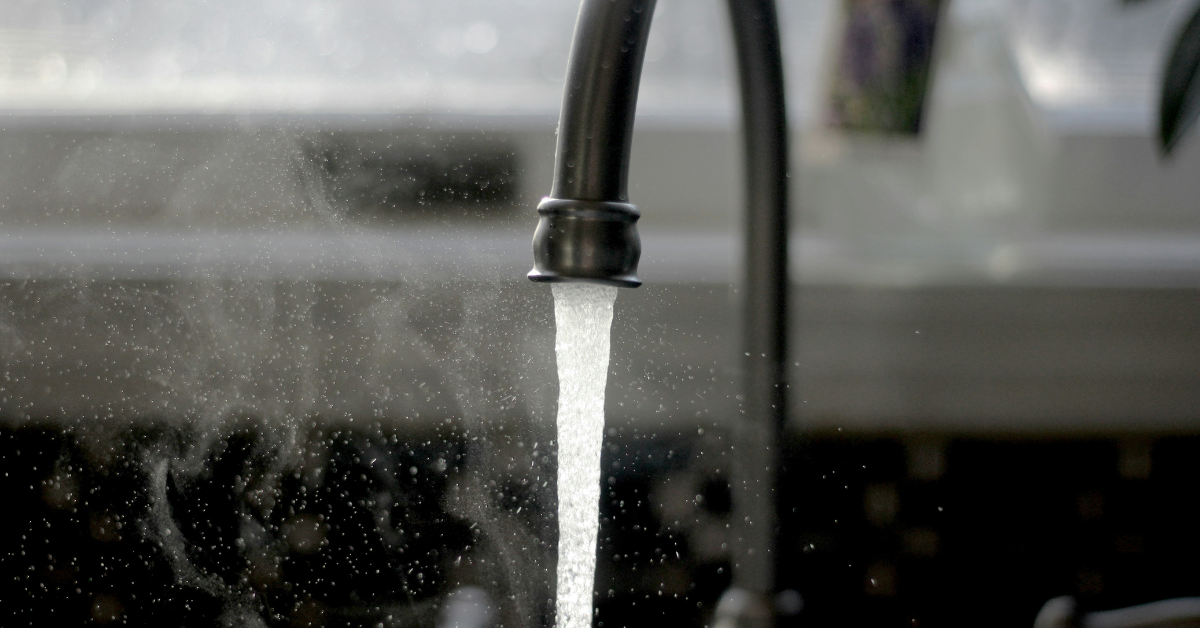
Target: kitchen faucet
587,231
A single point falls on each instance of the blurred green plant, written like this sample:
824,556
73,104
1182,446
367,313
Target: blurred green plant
884,68
1179,105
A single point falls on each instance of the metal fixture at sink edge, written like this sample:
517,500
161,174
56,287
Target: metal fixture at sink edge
587,232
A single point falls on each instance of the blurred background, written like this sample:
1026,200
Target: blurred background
268,356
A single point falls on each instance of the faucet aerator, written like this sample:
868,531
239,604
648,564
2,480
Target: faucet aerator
589,241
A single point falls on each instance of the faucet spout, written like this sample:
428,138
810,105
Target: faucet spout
587,232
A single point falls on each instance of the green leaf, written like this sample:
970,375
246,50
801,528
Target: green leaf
1180,102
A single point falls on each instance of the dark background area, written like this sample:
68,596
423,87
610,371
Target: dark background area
879,531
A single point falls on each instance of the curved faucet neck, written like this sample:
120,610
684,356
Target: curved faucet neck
595,130
587,229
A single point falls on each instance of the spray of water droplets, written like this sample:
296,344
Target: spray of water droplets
583,314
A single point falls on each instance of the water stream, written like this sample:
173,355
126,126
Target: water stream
583,314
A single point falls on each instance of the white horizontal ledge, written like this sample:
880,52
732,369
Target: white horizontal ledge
337,256
505,253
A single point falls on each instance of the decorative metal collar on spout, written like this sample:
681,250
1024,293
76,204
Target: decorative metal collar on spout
594,241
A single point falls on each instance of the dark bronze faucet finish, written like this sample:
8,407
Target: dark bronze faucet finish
587,231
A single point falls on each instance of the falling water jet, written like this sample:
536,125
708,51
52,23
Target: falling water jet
583,314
